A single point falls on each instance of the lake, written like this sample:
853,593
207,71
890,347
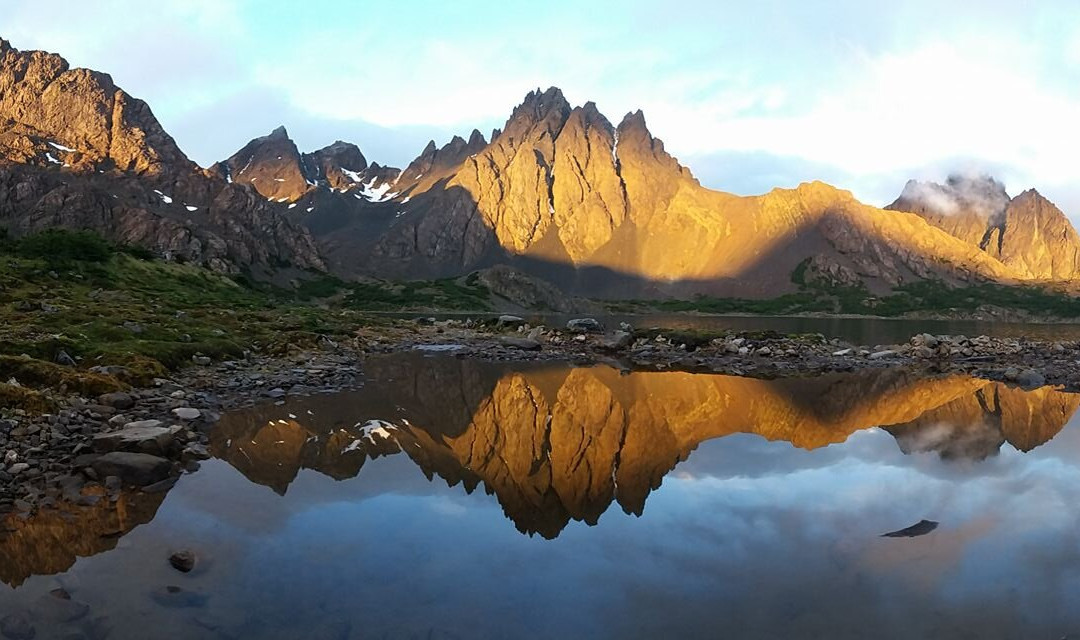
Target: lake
450,498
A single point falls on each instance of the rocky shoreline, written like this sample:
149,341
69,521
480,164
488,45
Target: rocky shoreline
90,449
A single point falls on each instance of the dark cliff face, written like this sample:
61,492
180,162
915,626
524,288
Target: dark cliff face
1028,233
78,152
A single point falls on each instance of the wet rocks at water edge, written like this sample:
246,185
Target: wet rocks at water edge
510,321
136,469
618,341
146,437
525,344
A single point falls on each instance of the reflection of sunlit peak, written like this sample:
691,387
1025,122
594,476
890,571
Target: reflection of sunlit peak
369,431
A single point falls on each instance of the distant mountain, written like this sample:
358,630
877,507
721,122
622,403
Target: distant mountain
598,209
77,151
1027,233
560,193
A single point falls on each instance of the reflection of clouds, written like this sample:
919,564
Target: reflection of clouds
796,551
746,537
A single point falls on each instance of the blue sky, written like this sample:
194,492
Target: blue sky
750,95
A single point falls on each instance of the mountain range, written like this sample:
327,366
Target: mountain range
560,192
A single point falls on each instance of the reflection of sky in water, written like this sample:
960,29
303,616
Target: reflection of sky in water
745,539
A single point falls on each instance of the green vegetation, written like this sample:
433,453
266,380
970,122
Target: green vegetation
73,294
923,297
455,294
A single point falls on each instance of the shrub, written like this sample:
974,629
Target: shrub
60,246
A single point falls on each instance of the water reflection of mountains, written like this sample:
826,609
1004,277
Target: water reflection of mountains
559,444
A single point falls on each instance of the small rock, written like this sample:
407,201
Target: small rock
187,413
117,400
18,468
58,605
143,424
183,560
879,355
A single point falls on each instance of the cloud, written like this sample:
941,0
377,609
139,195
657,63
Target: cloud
868,96
255,110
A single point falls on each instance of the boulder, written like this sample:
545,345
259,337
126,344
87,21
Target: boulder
1030,379
525,344
139,469
507,320
117,400
617,341
585,325
155,440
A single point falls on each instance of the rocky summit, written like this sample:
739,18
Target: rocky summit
604,210
77,151
1027,233
560,193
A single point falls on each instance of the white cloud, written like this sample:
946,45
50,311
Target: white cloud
868,95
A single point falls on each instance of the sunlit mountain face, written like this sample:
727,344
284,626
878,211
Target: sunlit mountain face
594,204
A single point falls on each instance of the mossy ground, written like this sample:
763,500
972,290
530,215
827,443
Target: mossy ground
104,305
922,298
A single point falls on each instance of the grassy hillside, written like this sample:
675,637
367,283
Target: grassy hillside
923,298
71,293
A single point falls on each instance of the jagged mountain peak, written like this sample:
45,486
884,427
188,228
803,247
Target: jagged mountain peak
77,151
546,111
279,133
1027,233
82,112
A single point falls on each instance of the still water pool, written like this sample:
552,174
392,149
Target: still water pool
450,498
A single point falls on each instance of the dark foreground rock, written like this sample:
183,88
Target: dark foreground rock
139,469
